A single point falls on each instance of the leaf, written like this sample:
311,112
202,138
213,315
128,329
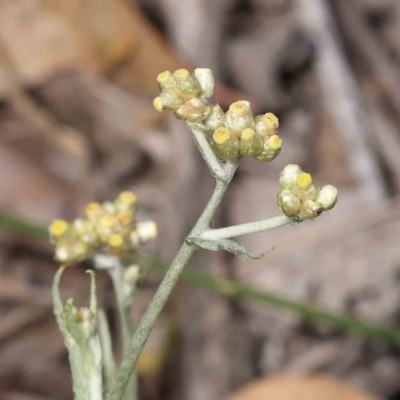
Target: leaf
223,244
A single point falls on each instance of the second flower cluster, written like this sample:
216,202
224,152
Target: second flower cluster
233,133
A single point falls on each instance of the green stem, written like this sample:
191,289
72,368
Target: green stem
244,229
206,281
106,347
124,303
167,285
209,156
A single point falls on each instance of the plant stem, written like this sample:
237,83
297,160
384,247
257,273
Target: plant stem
124,303
106,347
244,229
167,285
209,156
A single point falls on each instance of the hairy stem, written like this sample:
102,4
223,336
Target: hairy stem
106,347
167,285
125,316
244,229
209,156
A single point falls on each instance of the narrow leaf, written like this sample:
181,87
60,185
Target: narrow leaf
224,244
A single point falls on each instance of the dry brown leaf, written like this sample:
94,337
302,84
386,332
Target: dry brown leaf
126,45
38,41
287,387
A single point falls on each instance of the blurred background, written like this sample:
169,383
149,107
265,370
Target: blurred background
77,79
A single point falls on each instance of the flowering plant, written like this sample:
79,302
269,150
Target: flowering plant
109,233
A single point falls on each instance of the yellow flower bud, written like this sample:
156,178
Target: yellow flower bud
165,80
225,144
266,125
304,181
251,144
168,99
128,198
107,221
305,187
327,197
271,149
58,228
116,240
213,120
239,117
186,84
288,203
93,210
288,176
125,218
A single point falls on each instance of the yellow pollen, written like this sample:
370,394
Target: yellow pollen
158,104
272,119
275,142
164,77
181,74
125,217
116,240
304,181
221,135
107,221
58,227
128,197
240,108
92,210
248,134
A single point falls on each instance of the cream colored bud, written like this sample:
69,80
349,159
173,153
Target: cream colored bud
327,197
62,254
305,187
206,81
168,99
310,209
108,207
271,149
147,230
239,117
193,110
288,203
225,144
251,144
266,125
214,119
288,176
79,251
186,84
86,231
135,239
165,80
132,274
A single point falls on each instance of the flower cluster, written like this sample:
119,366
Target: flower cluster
236,132
240,133
185,94
301,196
108,228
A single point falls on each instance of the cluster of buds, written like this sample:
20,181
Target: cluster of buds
109,228
185,94
301,196
236,132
